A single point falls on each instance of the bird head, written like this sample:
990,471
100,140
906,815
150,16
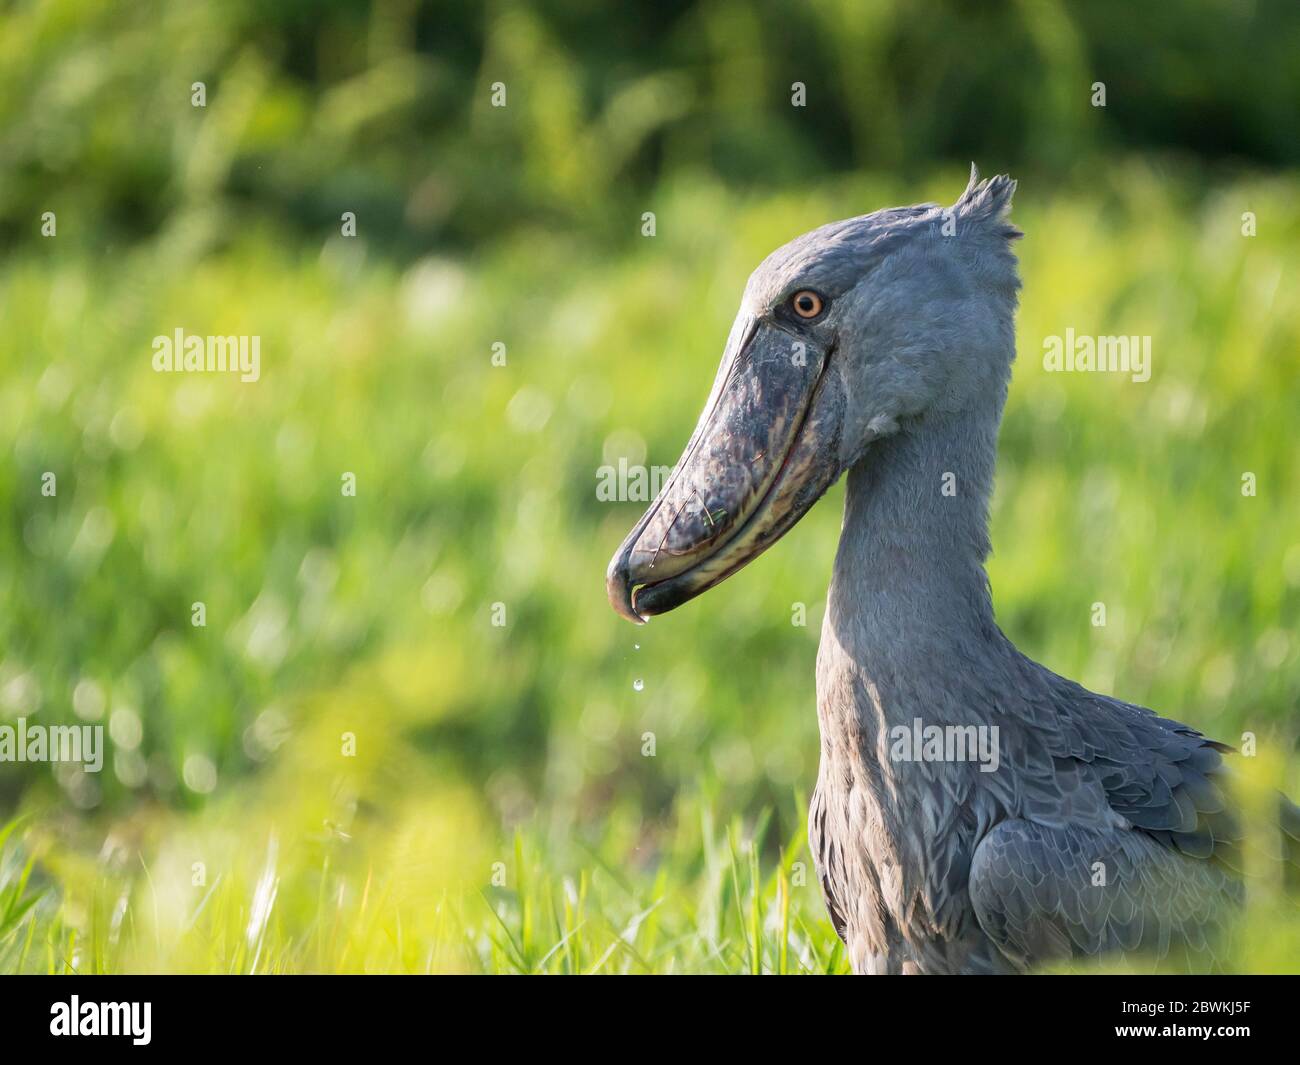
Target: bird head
845,335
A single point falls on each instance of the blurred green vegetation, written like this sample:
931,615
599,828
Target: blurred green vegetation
499,812
384,107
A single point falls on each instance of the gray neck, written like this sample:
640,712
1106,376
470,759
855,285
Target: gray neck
909,581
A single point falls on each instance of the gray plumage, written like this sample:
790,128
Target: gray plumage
938,866
1104,827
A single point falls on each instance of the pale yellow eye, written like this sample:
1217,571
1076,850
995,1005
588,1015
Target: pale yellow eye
807,304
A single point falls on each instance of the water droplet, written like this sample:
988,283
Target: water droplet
638,684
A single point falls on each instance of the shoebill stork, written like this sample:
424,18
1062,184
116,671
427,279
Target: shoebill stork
882,346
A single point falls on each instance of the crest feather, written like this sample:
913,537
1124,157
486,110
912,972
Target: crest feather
988,202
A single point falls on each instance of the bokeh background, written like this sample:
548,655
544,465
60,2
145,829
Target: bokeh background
499,812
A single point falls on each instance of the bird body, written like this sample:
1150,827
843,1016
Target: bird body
939,866
1044,822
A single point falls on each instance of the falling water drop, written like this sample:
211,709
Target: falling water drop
638,684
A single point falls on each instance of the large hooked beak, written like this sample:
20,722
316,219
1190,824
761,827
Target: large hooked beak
764,450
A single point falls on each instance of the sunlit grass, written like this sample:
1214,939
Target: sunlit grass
715,902
497,810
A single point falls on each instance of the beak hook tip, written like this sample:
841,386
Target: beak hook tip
618,587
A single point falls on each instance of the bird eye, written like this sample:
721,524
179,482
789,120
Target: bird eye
807,304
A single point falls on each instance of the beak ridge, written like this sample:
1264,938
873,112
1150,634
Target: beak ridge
762,452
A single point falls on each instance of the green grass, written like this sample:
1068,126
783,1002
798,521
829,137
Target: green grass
711,903
499,813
